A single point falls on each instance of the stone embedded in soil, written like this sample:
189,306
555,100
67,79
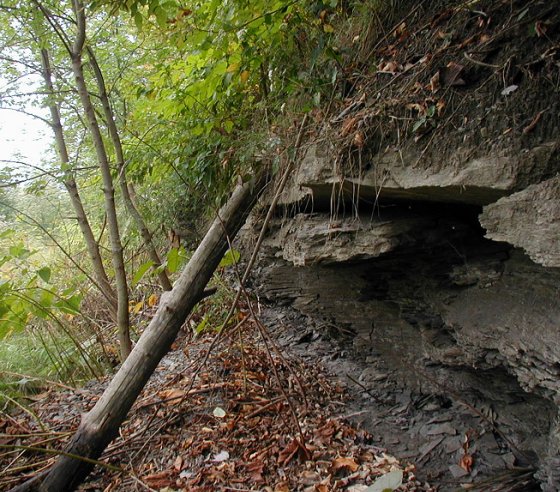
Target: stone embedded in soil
457,471
442,429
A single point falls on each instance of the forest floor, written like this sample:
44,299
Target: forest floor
249,415
274,406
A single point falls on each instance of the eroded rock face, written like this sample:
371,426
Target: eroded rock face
529,219
403,174
310,239
445,307
439,250
513,323
454,299
469,301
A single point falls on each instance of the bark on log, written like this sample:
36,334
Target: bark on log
100,426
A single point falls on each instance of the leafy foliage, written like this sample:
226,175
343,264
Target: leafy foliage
26,292
193,90
209,80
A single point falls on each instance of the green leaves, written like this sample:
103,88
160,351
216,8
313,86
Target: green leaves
173,260
203,75
426,121
162,10
21,306
19,251
230,258
45,274
25,291
142,270
199,328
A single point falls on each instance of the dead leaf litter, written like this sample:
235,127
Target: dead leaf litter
233,427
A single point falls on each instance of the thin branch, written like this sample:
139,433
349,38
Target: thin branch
79,12
11,184
62,453
141,140
57,28
52,174
14,61
40,378
34,93
261,16
27,113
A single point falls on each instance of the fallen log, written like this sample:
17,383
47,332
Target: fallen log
100,426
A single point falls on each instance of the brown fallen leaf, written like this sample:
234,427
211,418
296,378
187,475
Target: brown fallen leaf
309,477
159,480
287,454
324,486
540,29
171,394
435,82
450,75
348,126
282,487
418,87
401,30
466,462
359,140
255,470
389,67
344,463
440,107
324,434
421,108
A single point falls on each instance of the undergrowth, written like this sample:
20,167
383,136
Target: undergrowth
30,362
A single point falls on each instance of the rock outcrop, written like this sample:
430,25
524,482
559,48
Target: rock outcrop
529,219
440,250
398,175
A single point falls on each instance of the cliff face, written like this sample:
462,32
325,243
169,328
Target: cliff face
423,217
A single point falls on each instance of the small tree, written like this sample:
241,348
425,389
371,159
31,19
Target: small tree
69,182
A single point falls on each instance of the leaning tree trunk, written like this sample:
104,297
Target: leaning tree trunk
100,275
101,424
123,320
128,201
